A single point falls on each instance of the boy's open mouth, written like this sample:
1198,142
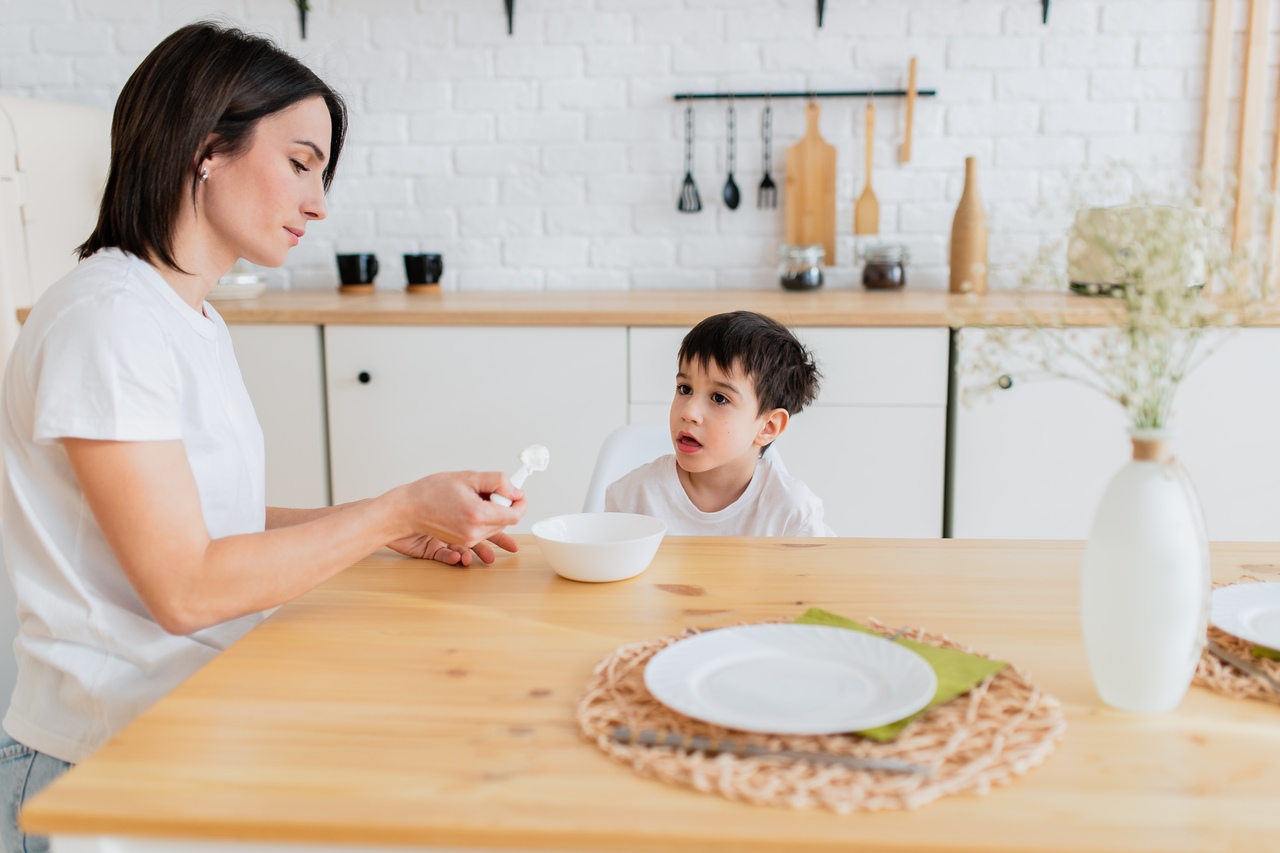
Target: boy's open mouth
687,443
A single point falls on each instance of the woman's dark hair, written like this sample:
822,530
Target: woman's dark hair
203,80
782,369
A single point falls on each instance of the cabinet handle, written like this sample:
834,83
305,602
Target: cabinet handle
1005,382
364,377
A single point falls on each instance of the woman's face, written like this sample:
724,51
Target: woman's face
257,205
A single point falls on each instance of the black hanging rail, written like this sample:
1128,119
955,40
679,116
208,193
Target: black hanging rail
848,93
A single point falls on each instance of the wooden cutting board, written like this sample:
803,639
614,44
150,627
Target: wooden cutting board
809,200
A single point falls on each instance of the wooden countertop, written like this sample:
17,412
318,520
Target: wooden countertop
646,308
414,704
664,308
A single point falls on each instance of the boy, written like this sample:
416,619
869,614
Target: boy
741,377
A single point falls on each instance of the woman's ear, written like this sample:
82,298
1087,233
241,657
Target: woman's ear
205,157
774,425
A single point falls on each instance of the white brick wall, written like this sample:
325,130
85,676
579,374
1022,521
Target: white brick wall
552,159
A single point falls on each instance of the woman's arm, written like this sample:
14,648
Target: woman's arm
278,516
422,547
144,497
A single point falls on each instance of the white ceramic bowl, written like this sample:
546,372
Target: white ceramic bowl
599,546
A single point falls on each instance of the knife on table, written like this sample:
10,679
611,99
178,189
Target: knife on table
1241,664
648,737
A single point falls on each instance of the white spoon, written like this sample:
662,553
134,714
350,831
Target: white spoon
533,458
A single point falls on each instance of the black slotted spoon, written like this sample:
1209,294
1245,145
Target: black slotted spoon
689,199
767,196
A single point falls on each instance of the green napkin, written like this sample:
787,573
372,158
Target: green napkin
958,672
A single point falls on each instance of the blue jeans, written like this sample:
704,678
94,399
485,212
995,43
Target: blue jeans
23,772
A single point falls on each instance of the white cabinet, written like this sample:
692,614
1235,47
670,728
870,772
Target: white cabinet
1032,461
283,370
872,446
446,399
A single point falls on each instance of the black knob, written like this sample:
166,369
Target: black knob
364,377
1005,381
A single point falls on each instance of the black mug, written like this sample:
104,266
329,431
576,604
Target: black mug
357,269
423,269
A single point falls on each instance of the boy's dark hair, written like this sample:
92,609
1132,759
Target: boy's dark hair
782,369
203,79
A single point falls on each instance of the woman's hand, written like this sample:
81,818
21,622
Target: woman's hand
431,548
454,508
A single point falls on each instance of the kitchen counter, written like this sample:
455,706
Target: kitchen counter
414,704
849,308
648,308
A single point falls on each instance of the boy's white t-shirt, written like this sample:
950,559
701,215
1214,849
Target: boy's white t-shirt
112,352
774,504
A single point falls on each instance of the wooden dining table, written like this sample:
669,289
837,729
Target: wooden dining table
415,705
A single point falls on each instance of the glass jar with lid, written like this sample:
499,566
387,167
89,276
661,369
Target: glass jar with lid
800,266
884,266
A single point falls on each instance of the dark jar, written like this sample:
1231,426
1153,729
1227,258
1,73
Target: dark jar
885,266
800,267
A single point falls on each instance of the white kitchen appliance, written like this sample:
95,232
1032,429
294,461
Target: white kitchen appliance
53,165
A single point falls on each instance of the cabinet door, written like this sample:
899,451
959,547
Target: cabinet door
878,469
283,371
873,445
1032,461
1225,419
448,399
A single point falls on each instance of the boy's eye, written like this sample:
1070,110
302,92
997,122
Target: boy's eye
684,390
720,399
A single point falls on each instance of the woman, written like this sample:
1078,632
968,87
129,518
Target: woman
136,531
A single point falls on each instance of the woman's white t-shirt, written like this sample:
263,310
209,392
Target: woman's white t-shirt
111,352
774,504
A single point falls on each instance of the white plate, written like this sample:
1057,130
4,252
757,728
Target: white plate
1251,611
237,291
791,679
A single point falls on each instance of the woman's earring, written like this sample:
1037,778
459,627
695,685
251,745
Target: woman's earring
204,174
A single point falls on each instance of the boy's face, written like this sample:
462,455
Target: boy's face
716,419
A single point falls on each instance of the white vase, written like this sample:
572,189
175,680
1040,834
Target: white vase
1144,592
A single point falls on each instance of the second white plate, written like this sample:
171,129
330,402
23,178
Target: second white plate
791,679
1251,611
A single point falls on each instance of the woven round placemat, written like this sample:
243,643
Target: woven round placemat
1224,678
1000,729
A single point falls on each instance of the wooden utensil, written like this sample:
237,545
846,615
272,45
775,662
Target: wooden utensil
904,150
1273,243
1213,149
810,202
866,213
1255,68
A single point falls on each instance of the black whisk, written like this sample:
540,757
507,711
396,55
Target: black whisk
689,200
768,193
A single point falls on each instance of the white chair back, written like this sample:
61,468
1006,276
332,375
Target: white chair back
626,449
